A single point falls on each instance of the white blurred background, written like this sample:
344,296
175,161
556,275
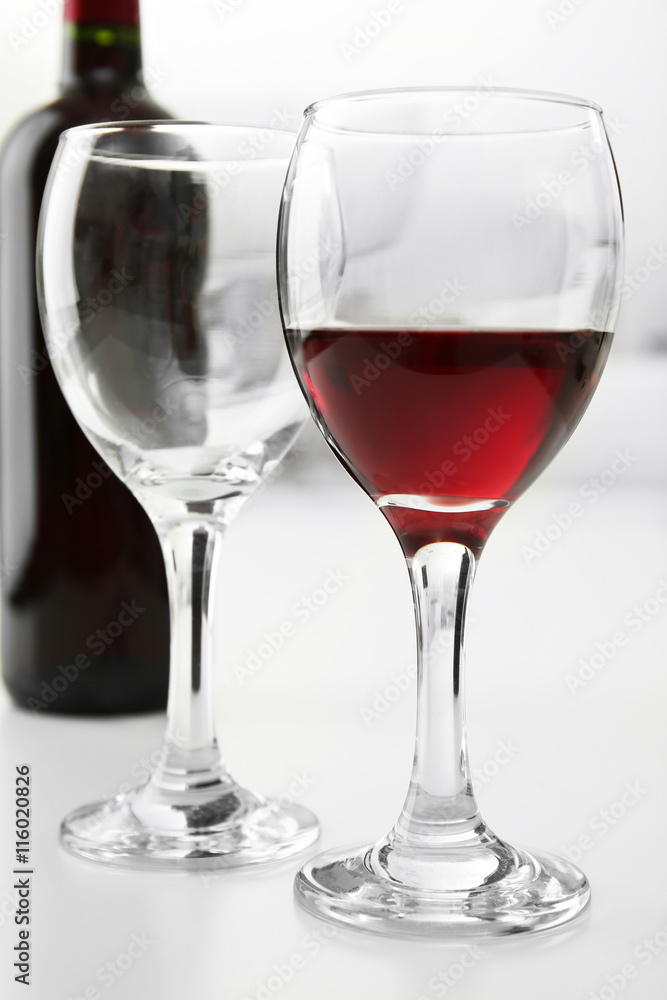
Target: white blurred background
253,59
539,616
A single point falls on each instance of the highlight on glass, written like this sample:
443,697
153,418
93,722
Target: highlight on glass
448,344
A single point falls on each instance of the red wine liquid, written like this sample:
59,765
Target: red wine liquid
456,418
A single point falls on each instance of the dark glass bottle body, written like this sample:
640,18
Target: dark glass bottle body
85,619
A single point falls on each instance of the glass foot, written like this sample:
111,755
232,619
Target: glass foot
200,828
493,890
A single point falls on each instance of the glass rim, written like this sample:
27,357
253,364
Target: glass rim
527,95
176,126
93,128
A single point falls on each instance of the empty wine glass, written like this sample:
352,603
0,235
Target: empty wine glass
446,365
157,285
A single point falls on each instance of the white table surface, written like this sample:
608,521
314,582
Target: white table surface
229,936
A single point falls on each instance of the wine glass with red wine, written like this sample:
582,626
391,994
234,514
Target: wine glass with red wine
446,364
157,281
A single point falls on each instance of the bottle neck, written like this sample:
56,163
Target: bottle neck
102,43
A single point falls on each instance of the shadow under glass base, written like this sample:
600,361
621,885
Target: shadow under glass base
496,890
230,827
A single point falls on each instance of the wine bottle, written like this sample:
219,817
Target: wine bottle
85,620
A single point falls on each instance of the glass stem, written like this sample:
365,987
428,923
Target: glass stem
190,758
440,808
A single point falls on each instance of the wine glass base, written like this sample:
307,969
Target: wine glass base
235,829
529,891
